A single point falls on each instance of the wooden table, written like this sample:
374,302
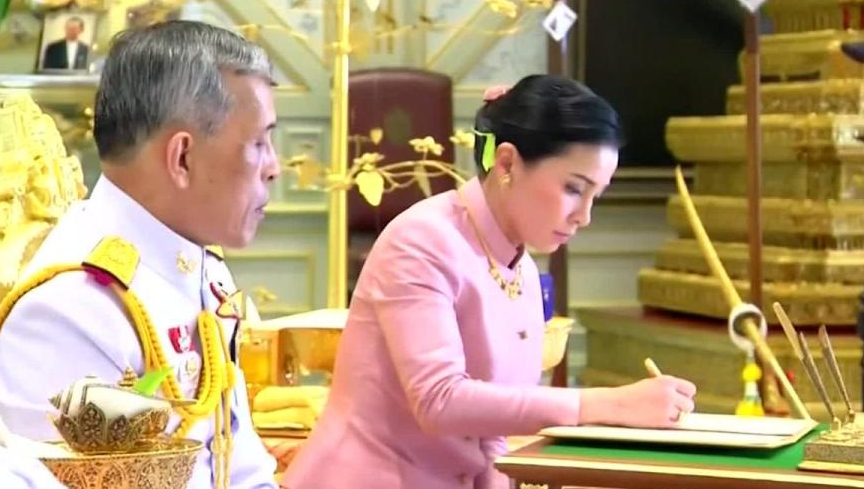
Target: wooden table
606,465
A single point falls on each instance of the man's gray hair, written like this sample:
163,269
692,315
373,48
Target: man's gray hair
168,73
77,19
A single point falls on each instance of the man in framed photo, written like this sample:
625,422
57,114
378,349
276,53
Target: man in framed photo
69,53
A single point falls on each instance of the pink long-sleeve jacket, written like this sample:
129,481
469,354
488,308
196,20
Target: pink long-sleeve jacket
436,364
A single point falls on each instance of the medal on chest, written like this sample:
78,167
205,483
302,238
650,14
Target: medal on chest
231,306
191,367
181,338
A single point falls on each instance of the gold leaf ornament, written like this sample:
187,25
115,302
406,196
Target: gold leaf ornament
369,180
361,40
308,172
368,159
427,145
376,135
371,185
463,138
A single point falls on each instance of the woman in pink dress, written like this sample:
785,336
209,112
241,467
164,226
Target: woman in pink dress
441,355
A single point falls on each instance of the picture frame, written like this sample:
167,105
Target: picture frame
66,41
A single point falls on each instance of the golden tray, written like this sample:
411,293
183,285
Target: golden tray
162,464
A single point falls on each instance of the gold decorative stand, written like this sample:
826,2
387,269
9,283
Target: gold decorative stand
812,180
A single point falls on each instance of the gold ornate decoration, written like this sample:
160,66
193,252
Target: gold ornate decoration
96,417
116,433
374,180
377,29
792,16
38,182
91,432
812,184
160,464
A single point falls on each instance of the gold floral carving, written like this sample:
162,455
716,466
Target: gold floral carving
163,464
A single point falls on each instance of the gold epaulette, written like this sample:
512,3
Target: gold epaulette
115,256
216,251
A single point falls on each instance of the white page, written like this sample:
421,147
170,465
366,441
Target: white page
727,423
700,429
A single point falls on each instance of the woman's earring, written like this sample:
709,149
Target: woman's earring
505,180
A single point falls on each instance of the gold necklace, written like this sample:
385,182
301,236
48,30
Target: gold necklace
513,289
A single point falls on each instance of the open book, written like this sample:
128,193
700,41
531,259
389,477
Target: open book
700,429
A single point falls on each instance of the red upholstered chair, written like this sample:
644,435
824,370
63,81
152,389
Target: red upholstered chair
406,103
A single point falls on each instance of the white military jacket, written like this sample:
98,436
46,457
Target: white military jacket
72,326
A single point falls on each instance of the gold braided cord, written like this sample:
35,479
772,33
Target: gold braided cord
215,384
217,376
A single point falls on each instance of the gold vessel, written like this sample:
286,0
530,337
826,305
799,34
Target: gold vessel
117,438
161,464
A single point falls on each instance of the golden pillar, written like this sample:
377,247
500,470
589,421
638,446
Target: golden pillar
337,249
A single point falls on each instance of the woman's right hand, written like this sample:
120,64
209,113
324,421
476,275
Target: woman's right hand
656,402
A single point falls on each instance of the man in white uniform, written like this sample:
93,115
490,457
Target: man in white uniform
183,118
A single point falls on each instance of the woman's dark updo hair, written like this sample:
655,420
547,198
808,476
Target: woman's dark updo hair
542,115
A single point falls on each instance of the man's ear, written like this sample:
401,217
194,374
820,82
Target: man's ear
177,160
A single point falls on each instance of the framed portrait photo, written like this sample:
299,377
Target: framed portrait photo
67,41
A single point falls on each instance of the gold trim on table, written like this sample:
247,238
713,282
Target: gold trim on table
794,478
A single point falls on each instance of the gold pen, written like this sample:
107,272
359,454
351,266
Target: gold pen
813,373
653,371
834,369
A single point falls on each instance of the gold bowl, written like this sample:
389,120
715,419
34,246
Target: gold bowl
157,464
555,340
